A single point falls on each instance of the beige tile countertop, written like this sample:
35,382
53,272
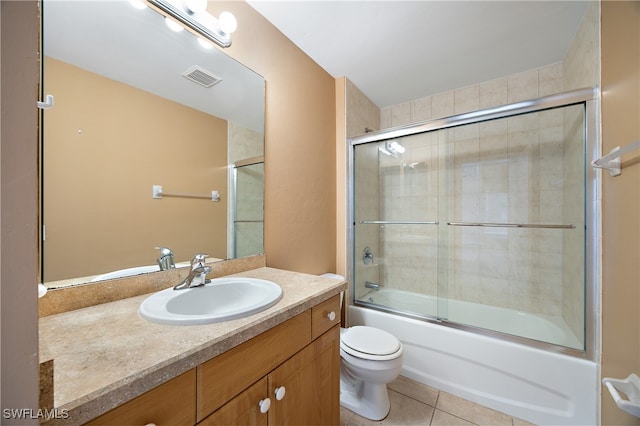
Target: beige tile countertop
105,355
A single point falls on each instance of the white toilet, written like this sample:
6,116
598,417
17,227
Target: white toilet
370,358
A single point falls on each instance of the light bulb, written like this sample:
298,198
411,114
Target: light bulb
138,4
173,25
227,22
196,6
204,43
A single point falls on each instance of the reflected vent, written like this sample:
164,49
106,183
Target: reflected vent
201,76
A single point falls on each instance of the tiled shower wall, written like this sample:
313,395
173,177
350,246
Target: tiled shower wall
507,170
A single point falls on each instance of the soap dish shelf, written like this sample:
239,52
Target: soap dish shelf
631,388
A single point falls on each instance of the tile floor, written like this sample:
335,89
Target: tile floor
413,403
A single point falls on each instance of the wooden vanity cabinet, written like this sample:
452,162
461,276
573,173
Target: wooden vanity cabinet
300,376
301,356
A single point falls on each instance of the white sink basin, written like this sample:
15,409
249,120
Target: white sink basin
222,299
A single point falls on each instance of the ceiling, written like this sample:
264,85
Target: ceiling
396,51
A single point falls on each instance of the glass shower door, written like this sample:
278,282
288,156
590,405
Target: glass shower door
396,249
480,225
248,224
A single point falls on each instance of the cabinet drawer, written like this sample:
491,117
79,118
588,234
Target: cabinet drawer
225,376
243,409
172,403
321,316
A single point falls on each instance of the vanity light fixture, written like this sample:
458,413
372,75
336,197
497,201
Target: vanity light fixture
193,14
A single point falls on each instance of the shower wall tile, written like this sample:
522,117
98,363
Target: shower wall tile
362,113
523,86
442,105
466,99
493,93
421,110
583,50
401,114
385,118
550,79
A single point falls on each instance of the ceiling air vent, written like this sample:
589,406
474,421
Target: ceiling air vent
201,76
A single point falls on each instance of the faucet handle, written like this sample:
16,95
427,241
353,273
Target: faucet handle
198,260
164,251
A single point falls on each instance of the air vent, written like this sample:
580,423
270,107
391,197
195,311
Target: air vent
201,76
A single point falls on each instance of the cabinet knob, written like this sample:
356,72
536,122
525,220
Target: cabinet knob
331,315
280,393
265,404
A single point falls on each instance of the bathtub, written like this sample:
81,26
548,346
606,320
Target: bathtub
536,385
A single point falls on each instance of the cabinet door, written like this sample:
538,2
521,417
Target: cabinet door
227,375
172,403
311,382
244,409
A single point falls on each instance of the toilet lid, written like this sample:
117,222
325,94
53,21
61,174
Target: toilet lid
369,341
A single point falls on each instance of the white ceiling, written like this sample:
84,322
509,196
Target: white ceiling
395,51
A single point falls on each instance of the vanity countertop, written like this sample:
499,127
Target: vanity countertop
105,355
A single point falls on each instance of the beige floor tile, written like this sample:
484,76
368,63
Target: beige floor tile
470,411
442,418
404,411
345,416
415,390
520,422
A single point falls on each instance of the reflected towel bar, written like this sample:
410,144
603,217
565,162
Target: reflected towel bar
611,161
159,194
392,222
511,225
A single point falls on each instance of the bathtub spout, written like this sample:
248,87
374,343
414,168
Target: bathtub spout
373,286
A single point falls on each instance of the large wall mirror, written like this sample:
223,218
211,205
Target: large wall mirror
134,108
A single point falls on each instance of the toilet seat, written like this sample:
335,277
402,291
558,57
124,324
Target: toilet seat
370,343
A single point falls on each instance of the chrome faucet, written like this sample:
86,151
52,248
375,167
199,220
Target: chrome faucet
165,260
197,273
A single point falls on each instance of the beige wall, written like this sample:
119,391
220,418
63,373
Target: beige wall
300,172
101,163
300,149
19,201
620,201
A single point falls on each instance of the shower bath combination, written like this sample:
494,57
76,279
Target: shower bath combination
484,222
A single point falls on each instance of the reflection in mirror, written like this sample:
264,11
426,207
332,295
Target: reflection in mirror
126,119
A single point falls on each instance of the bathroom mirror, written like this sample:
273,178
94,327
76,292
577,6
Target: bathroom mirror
137,105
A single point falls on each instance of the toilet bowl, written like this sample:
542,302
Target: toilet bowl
370,358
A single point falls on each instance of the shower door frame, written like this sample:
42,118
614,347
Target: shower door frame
589,97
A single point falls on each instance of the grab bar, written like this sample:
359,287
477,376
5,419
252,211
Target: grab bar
396,222
510,225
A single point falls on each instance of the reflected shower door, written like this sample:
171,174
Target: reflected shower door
248,224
